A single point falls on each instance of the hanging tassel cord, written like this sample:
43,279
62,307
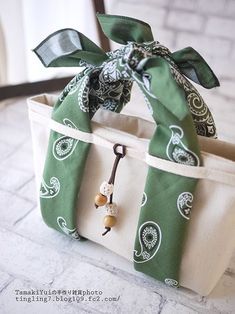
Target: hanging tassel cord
106,231
119,156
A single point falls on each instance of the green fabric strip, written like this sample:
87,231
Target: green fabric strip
167,198
123,29
66,48
178,110
194,67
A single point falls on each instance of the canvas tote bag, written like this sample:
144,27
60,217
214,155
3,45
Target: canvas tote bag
211,233
163,177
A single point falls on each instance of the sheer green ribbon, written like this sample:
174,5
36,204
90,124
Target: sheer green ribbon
177,107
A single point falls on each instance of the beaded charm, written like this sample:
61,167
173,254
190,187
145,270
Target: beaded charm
109,221
100,200
111,209
106,191
110,218
106,188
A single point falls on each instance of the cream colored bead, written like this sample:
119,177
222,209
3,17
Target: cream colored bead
106,188
109,221
111,209
100,199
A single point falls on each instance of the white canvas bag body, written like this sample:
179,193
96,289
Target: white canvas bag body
211,233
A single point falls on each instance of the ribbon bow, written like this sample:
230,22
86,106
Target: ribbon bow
177,108
67,47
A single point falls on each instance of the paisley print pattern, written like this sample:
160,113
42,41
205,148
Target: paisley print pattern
150,237
105,91
130,62
177,151
50,190
146,81
180,78
110,104
109,86
184,204
64,146
71,87
83,94
171,282
134,54
144,199
109,73
202,117
63,226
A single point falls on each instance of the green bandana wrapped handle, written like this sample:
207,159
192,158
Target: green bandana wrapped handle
177,108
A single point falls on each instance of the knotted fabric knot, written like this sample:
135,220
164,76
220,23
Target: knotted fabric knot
135,53
130,58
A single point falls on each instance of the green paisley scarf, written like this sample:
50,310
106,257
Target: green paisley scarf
176,106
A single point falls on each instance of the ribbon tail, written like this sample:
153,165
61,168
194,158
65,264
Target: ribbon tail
123,29
192,65
66,47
